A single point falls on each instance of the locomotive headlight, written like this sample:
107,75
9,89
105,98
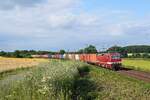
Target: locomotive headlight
113,62
109,62
119,62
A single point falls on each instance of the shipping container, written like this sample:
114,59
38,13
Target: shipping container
70,56
52,56
64,56
82,57
77,57
41,56
44,56
36,56
57,56
90,58
61,56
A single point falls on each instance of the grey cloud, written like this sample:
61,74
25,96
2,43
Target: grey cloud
10,4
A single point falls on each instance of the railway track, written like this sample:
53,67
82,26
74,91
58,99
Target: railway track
136,74
144,76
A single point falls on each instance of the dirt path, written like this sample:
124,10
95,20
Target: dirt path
136,74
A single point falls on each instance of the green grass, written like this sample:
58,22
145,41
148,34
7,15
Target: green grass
137,64
52,80
113,86
70,80
14,72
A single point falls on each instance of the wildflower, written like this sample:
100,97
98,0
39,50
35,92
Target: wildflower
49,77
43,79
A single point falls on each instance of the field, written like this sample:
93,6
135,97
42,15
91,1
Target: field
7,64
137,64
70,80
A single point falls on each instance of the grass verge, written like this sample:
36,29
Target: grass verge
137,64
69,80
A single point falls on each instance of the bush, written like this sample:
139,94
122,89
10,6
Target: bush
84,69
136,55
146,55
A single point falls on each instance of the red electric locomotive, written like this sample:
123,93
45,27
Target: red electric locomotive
110,60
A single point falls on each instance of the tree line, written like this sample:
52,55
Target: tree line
23,53
136,51
28,53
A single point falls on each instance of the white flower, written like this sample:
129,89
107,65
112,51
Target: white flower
43,79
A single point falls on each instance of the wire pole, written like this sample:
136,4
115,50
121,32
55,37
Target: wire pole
68,51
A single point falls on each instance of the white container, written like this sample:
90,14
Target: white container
70,56
77,57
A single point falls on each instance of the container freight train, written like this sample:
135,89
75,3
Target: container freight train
107,60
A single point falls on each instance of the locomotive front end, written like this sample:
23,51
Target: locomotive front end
116,61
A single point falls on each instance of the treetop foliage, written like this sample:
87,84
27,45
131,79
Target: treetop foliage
62,51
89,49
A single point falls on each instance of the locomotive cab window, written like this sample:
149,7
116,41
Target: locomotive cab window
116,57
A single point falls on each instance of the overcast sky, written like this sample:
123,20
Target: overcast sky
73,24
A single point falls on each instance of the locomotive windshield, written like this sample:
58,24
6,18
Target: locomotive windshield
116,57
